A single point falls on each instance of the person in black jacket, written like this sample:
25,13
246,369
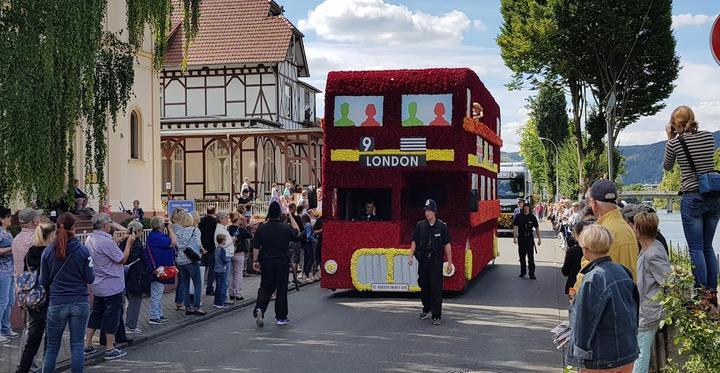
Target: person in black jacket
207,226
137,278
36,319
573,256
271,250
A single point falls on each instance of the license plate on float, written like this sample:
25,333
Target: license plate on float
390,287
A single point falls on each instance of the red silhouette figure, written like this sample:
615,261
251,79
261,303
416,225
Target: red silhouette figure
439,113
370,111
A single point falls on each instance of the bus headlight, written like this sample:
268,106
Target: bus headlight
330,267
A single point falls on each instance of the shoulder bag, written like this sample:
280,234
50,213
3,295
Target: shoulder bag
162,273
190,253
709,182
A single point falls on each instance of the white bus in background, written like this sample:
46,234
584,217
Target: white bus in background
514,183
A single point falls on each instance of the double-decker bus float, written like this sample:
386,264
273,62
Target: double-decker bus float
392,140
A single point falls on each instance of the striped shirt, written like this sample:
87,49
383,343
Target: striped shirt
701,146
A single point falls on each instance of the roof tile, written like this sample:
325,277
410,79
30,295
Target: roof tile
231,31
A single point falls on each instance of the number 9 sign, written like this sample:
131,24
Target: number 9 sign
367,144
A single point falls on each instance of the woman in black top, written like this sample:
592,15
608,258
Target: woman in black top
573,256
44,235
694,150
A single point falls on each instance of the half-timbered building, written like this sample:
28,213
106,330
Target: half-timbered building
239,109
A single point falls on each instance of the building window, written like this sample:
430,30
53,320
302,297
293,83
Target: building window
173,172
217,167
287,101
134,136
268,174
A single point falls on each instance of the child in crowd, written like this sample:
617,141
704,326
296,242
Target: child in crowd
221,261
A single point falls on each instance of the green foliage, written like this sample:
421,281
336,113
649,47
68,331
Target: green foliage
578,44
696,324
535,155
59,70
548,109
633,187
594,167
716,157
671,180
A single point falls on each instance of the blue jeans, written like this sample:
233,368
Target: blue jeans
156,292
191,272
76,315
7,299
645,343
700,216
221,289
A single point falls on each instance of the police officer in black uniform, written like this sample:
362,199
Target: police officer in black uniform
523,226
430,239
271,250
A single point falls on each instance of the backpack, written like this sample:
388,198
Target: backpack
31,295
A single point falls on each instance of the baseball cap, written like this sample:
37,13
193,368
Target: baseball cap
603,190
430,205
27,215
630,210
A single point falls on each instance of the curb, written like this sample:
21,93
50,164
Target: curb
93,359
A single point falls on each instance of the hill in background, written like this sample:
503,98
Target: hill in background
643,163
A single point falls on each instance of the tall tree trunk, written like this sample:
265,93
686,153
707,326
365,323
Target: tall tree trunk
576,97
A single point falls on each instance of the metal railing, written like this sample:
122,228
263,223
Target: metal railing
83,236
259,207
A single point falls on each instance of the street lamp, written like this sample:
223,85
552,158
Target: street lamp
557,177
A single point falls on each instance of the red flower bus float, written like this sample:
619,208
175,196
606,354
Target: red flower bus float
397,138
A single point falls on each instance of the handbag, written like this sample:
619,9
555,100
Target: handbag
162,273
190,253
709,182
31,295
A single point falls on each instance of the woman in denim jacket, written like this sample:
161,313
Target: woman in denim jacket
605,312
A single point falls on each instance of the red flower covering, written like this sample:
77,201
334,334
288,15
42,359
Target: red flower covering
342,238
487,211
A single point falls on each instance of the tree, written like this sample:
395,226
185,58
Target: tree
548,111
629,50
716,157
60,73
671,180
625,46
593,167
535,155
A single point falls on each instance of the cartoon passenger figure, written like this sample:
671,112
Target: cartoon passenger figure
439,115
370,111
344,121
412,119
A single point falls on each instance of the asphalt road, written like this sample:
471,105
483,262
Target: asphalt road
501,324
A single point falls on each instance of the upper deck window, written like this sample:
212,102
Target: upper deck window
358,111
426,110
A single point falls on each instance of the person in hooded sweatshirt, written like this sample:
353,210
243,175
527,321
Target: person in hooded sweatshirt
271,256
66,270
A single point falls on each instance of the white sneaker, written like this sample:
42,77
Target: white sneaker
4,340
11,334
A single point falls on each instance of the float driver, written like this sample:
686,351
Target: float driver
430,238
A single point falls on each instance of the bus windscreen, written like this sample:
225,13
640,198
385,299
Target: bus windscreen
511,188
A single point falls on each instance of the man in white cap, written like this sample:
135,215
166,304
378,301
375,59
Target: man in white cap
431,239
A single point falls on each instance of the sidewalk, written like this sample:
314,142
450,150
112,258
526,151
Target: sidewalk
10,353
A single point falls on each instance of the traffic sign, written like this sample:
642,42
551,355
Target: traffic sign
715,39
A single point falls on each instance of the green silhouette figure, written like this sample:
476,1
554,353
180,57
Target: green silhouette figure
412,119
344,121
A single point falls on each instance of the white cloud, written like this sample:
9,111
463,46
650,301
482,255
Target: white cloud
380,22
479,25
691,20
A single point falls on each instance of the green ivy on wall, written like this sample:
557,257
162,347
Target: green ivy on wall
61,72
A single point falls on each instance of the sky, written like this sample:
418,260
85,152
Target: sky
395,34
